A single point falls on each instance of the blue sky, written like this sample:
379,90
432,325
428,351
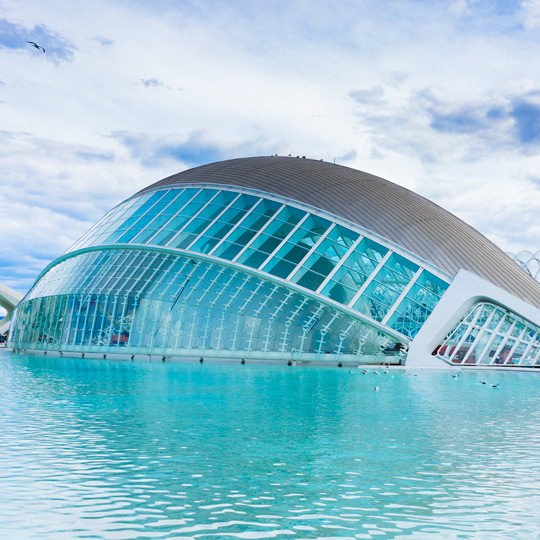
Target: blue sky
442,97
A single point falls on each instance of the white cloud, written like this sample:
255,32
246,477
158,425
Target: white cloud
262,77
531,13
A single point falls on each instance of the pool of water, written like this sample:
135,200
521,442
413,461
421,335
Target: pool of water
123,450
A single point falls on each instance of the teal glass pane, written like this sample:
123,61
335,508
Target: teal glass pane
205,195
291,215
343,236
319,264
265,243
211,211
228,250
506,324
218,230
371,307
128,236
196,225
292,253
431,283
176,223
267,208
338,292
413,310
169,196
112,238
186,195
349,278
191,208
204,244
128,223
331,250
245,202
279,268
497,317
156,197
174,208
159,222
518,329
182,240
241,236
255,222
252,258
404,325
371,250
361,263
157,209
309,279
144,236
487,310
279,229
224,198
232,215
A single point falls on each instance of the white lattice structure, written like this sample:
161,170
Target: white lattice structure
529,261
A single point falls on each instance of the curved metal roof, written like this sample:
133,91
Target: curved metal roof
383,207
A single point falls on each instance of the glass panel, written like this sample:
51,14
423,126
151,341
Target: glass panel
232,215
279,268
308,279
292,253
255,222
291,215
279,229
245,202
228,250
343,236
371,307
338,292
497,316
349,278
518,329
264,243
504,354
488,355
266,208
205,195
252,258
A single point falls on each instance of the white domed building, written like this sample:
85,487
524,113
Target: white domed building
287,259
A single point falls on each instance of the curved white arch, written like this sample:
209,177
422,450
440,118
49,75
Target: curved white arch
8,300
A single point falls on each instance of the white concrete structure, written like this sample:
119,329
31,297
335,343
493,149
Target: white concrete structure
8,300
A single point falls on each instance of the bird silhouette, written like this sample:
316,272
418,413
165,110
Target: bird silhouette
38,47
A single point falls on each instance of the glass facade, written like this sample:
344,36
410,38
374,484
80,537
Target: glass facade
492,335
156,270
283,241
144,301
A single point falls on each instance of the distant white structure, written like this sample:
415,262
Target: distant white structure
8,300
529,261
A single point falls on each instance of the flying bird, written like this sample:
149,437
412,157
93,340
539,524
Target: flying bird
38,47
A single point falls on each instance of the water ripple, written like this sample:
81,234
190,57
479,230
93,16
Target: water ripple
122,451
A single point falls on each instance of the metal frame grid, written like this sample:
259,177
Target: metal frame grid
492,335
159,303
292,242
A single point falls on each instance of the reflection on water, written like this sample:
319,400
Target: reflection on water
123,450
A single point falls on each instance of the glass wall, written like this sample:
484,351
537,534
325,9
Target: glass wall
149,302
492,335
283,241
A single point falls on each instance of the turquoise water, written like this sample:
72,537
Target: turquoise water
122,450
